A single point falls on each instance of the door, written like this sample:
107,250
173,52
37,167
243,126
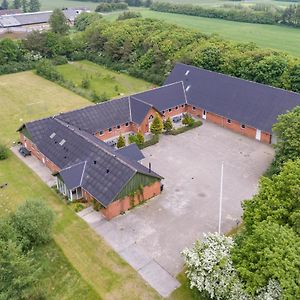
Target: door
204,115
258,134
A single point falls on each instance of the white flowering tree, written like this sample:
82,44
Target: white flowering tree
210,269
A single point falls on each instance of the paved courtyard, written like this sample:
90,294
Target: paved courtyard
151,237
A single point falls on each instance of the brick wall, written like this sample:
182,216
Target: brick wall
177,110
115,131
122,205
35,152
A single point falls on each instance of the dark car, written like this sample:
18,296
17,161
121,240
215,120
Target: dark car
24,152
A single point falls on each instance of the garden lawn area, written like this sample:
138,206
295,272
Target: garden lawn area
25,97
51,4
102,81
276,37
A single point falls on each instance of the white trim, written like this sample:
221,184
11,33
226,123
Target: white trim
82,174
129,104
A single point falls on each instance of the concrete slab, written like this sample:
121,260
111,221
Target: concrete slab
159,278
136,256
37,166
85,211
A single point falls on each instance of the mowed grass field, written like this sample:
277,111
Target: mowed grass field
276,37
102,80
77,264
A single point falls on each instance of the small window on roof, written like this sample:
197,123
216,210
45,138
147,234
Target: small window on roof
101,132
182,105
187,72
228,121
62,142
110,129
187,89
194,107
151,117
176,107
52,135
163,112
243,126
127,124
118,127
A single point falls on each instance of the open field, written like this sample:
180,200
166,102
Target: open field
78,264
51,4
102,80
268,36
26,96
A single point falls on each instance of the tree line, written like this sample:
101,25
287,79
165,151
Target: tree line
137,3
149,49
25,5
258,13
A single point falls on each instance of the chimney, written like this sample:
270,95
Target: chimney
149,169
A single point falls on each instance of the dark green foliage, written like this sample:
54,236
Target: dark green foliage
121,142
168,125
24,6
140,140
18,272
154,140
287,131
4,4
85,19
3,152
58,22
157,125
46,69
107,7
85,83
278,199
269,251
17,4
184,128
188,120
34,221
34,5
129,15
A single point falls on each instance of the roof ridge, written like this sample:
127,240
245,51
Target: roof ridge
129,104
242,79
137,99
78,132
184,92
157,88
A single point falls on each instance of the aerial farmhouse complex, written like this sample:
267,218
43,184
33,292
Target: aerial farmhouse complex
79,146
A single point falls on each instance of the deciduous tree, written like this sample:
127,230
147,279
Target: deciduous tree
58,22
168,125
157,125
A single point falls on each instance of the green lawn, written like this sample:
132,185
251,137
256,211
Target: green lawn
51,4
77,264
268,36
26,96
102,80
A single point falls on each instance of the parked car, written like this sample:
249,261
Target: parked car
24,152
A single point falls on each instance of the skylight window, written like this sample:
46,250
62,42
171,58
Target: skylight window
52,135
187,73
62,142
187,89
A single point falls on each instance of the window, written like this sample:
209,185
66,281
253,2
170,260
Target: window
127,124
101,132
243,126
182,105
228,121
110,129
170,109
187,73
52,135
118,127
62,142
176,107
163,112
194,107
150,117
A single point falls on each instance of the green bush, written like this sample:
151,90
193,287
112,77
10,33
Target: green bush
184,129
129,15
154,140
97,205
34,220
3,152
46,69
85,83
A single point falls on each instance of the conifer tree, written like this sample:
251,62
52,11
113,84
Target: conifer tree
157,125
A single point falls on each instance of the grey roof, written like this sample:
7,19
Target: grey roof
164,97
139,110
100,116
132,152
4,12
105,172
247,102
72,176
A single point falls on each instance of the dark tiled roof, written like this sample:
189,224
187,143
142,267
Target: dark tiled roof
106,172
72,176
100,116
247,102
164,97
139,110
132,152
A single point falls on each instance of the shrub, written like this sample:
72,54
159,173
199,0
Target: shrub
47,70
97,205
121,142
184,129
168,125
154,140
34,220
188,120
85,83
157,125
129,15
140,140
3,152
